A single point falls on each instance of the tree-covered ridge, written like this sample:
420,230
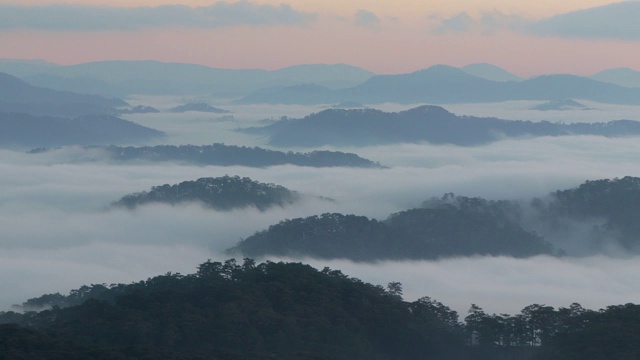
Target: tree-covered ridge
229,155
293,311
598,216
615,203
566,333
326,236
427,233
21,343
433,124
250,311
448,232
221,193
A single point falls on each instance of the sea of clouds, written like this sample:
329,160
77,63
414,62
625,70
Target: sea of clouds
59,231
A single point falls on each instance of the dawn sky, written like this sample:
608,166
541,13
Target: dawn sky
525,37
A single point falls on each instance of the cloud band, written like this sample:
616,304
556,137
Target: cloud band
100,18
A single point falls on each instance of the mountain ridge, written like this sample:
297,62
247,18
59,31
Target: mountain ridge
426,123
124,78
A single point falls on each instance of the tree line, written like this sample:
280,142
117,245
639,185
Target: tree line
269,310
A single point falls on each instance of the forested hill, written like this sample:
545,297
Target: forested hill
412,234
610,205
254,311
433,124
229,155
596,217
292,311
221,193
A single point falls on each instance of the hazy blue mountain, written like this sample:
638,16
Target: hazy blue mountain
437,84
445,84
221,193
122,78
560,105
305,94
361,127
335,76
80,84
154,77
200,107
490,72
562,86
19,96
619,76
28,131
23,68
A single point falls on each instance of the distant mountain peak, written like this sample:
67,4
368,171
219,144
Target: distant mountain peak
428,109
440,69
626,77
560,104
490,72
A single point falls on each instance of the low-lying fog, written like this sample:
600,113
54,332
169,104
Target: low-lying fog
58,232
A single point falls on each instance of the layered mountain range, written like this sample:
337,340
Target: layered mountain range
325,84
124,78
442,84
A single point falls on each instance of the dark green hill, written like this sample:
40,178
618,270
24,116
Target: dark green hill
221,193
597,217
611,333
327,236
255,311
429,233
612,205
293,311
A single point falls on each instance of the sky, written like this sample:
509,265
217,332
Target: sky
387,37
